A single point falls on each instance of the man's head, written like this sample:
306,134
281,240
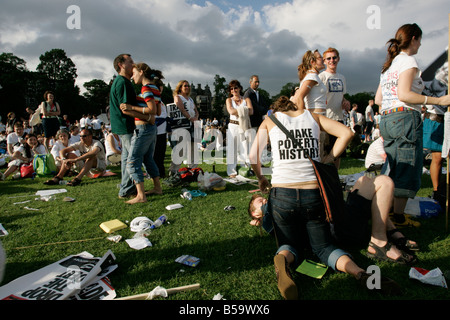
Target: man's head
123,64
86,136
331,59
254,82
18,128
254,208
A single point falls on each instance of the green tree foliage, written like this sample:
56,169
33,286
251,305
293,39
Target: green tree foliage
220,96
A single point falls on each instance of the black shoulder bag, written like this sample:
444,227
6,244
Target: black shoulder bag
327,178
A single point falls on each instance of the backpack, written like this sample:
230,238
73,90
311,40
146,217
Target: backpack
189,174
44,164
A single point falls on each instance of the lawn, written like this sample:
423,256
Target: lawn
236,259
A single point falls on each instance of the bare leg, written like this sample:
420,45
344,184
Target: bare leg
140,198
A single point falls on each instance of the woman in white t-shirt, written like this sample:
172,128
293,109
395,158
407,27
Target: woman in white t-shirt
24,154
400,96
312,93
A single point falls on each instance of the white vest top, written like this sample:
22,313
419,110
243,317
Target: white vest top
289,164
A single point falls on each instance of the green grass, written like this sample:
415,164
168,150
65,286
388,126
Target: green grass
236,260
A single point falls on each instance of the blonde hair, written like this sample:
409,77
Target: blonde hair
177,90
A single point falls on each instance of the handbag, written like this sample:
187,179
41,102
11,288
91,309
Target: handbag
26,170
327,177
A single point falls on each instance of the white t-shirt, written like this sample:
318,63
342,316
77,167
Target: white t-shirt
162,128
336,88
316,100
389,83
289,165
369,114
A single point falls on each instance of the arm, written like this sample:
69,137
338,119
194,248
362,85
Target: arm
406,95
230,109
64,152
302,92
88,155
112,144
185,113
261,141
250,106
343,134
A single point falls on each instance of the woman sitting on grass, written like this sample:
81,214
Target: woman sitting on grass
24,154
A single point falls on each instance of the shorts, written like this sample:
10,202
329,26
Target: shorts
353,226
433,135
51,126
402,133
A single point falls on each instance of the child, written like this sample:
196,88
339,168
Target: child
258,211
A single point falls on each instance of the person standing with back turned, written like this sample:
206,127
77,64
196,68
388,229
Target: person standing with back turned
400,98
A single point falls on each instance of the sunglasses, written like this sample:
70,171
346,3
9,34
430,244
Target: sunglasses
84,135
235,88
334,58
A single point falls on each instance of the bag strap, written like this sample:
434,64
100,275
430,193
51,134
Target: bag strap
288,134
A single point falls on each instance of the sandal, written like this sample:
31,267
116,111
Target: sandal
402,243
75,182
381,254
53,181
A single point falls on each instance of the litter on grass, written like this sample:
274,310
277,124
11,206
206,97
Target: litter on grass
434,277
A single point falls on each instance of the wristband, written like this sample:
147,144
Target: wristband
426,100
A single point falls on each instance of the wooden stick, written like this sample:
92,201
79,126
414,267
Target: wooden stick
448,110
144,296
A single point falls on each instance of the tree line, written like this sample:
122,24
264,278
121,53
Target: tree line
21,88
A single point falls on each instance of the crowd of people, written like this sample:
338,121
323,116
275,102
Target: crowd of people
290,206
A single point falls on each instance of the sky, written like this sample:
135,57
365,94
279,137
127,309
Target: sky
195,40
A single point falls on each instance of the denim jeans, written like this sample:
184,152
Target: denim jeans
142,149
127,186
402,133
299,216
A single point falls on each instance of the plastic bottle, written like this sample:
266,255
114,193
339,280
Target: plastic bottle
158,222
186,194
63,182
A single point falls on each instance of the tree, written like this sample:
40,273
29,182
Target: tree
286,90
13,82
220,96
97,95
57,66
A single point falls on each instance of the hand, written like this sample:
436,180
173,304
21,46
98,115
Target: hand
445,100
125,107
264,185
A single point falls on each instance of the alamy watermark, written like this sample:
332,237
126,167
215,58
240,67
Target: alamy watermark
374,20
74,20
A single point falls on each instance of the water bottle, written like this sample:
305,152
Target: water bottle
63,182
158,222
186,194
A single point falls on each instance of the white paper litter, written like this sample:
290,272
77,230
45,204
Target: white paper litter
434,277
139,243
157,292
45,193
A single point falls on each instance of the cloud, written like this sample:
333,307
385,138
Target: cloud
195,40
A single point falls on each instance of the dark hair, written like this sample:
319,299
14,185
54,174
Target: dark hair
402,40
46,93
27,146
149,73
120,59
232,84
284,104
